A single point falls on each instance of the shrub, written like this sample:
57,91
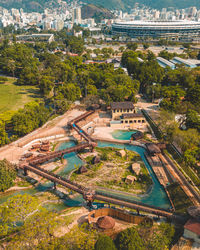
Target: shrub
7,175
129,239
104,243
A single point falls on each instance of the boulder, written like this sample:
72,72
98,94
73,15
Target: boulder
136,168
96,159
122,153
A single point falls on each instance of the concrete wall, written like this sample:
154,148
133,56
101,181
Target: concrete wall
116,113
190,235
136,126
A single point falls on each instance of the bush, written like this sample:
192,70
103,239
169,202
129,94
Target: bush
129,239
3,79
104,243
104,156
7,175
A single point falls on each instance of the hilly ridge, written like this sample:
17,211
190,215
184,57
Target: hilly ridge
157,4
39,5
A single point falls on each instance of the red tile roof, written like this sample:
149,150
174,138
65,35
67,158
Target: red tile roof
193,226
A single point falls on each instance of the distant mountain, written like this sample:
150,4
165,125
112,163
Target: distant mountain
97,12
157,4
39,5
29,5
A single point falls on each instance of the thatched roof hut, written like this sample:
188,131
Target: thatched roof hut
45,143
82,170
35,146
45,147
27,155
152,148
130,179
106,222
137,136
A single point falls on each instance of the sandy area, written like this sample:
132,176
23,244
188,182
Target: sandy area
15,150
148,106
103,132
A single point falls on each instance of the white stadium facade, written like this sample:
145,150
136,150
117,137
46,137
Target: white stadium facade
157,29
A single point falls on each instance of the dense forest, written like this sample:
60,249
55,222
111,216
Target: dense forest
63,79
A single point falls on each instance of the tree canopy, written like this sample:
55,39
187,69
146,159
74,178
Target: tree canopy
7,175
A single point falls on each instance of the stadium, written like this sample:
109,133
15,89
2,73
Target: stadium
157,29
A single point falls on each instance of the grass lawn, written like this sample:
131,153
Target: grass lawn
112,171
179,198
13,97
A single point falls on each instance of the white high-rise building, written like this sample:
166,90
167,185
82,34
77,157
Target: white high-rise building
76,17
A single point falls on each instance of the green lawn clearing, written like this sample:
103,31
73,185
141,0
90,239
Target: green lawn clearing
13,97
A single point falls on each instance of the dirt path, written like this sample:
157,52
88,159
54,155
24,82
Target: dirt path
80,217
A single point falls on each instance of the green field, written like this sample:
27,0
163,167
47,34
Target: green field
13,97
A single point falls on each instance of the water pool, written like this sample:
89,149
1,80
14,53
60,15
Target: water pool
156,196
123,134
72,159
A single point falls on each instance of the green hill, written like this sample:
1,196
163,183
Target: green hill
92,11
39,5
128,4
29,5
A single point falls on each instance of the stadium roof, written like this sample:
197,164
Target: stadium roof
159,23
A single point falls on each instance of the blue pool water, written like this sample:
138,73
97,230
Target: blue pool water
123,134
72,159
156,196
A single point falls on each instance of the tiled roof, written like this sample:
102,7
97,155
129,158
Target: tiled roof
193,226
133,115
122,105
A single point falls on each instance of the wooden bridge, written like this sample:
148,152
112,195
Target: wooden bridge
60,153
73,124
91,195
88,195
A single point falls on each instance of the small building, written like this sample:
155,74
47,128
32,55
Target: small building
45,147
132,119
187,63
152,148
130,179
120,108
36,146
129,121
192,230
136,168
165,63
27,155
137,136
